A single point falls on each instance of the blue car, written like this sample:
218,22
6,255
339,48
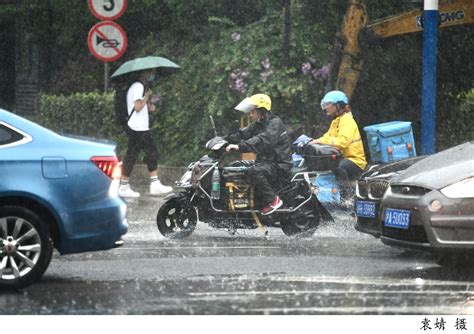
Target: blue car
55,192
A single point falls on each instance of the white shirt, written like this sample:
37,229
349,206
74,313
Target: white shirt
139,120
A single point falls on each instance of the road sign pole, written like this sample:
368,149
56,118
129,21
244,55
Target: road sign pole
106,77
107,40
428,94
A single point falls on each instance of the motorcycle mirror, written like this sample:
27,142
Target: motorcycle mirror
213,125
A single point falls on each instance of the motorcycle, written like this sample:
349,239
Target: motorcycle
221,196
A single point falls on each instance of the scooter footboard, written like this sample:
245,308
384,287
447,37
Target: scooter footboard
306,184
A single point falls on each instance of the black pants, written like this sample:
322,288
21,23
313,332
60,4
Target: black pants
138,141
263,175
346,172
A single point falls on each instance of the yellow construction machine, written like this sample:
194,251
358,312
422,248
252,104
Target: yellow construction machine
356,26
348,61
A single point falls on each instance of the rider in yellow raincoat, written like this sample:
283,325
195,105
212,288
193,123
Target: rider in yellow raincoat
344,134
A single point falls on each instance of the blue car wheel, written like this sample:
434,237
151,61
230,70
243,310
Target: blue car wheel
25,246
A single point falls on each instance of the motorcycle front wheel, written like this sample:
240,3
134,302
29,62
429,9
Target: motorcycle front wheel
176,219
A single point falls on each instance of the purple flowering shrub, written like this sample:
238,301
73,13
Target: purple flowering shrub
238,62
237,78
310,70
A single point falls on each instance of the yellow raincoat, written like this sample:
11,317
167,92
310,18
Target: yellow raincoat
344,134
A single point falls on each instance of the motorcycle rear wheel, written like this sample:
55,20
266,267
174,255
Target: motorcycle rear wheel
176,219
302,223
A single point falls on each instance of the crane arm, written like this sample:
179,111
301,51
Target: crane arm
451,13
348,60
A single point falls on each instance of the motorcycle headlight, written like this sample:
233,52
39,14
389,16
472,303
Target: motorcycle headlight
461,189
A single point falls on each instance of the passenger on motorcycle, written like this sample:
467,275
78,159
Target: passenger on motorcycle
267,137
344,134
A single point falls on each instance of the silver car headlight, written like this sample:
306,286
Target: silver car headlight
461,189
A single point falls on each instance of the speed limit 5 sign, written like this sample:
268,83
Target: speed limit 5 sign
107,9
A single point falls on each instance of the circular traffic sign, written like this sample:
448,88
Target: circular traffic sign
107,41
107,9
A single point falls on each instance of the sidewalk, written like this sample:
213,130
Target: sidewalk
167,175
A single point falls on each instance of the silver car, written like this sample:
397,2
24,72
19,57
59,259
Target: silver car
430,206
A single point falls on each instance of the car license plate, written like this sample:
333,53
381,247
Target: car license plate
397,218
365,209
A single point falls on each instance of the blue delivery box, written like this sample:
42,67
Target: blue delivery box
390,141
327,188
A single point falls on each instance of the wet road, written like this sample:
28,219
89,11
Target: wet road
336,271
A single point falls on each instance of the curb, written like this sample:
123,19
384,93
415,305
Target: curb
168,175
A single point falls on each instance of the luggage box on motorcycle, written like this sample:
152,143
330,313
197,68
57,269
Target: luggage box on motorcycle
390,141
321,157
327,188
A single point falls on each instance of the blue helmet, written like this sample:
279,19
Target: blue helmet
334,97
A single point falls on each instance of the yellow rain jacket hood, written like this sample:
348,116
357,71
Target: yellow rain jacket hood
344,134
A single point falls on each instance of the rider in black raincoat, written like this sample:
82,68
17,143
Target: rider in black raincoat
268,138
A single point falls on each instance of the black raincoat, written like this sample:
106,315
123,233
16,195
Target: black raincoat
269,140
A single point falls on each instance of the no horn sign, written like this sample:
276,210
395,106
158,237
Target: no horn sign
107,41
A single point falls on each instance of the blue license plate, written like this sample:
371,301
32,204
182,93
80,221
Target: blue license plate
397,218
365,209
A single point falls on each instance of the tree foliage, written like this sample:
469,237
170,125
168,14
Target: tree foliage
240,61
229,49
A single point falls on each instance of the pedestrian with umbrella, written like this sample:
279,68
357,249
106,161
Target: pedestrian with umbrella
140,73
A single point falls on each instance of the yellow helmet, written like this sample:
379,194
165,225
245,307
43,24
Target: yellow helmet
255,101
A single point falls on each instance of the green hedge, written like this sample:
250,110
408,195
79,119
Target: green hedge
85,114
82,114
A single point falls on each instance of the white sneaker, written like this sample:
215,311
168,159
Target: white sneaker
126,191
156,188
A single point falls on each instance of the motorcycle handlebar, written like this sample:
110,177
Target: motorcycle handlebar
213,124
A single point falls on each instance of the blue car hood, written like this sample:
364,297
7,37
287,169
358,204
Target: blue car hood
441,169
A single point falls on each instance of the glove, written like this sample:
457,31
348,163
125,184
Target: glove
232,147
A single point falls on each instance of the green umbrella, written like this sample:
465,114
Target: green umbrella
144,63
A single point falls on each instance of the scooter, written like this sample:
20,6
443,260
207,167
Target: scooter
222,197
325,159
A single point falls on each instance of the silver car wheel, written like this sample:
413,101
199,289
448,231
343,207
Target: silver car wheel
20,247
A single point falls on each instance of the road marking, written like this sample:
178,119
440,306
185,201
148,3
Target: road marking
372,281
200,247
360,310
332,292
